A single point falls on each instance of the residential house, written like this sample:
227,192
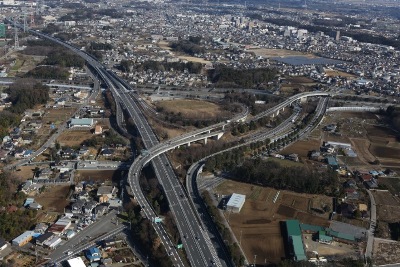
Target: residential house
77,206
83,150
108,152
41,228
19,152
100,210
3,244
89,206
107,190
53,242
44,238
93,254
35,206
98,129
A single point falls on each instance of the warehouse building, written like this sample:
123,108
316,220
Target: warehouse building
236,202
83,122
295,240
23,239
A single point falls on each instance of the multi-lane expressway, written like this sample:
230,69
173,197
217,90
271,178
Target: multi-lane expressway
196,241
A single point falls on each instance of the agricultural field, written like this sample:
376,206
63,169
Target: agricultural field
195,109
74,137
335,73
54,198
97,176
388,206
302,147
266,52
258,223
386,252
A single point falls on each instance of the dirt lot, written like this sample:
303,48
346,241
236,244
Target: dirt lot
191,108
385,198
47,217
302,147
334,73
266,52
54,198
98,176
392,183
388,206
259,218
194,59
74,137
332,250
386,252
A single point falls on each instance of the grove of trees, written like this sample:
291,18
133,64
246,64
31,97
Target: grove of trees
224,76
25,94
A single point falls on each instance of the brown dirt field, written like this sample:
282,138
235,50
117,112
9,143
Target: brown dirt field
266,52
385,152
301,80
97,175
74,137
386,252
25,172
263,240
47,217
385,198
258,221
297,202
361,147
54,198
393,184
374,130
286,211
191,108
312,219
334,73
194,59
302,147
57,115
164,45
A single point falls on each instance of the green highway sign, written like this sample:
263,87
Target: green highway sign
2,30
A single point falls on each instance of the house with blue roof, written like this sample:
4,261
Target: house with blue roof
93,254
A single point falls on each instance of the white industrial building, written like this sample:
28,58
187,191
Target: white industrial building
236,202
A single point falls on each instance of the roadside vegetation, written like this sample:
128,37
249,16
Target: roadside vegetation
14,220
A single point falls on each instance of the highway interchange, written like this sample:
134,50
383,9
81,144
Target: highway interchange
200,249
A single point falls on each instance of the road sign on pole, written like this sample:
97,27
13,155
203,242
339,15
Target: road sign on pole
2,30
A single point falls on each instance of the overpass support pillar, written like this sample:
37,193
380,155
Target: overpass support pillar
303,99
283,109
277,113
188,144
205,141
223,127
209,131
